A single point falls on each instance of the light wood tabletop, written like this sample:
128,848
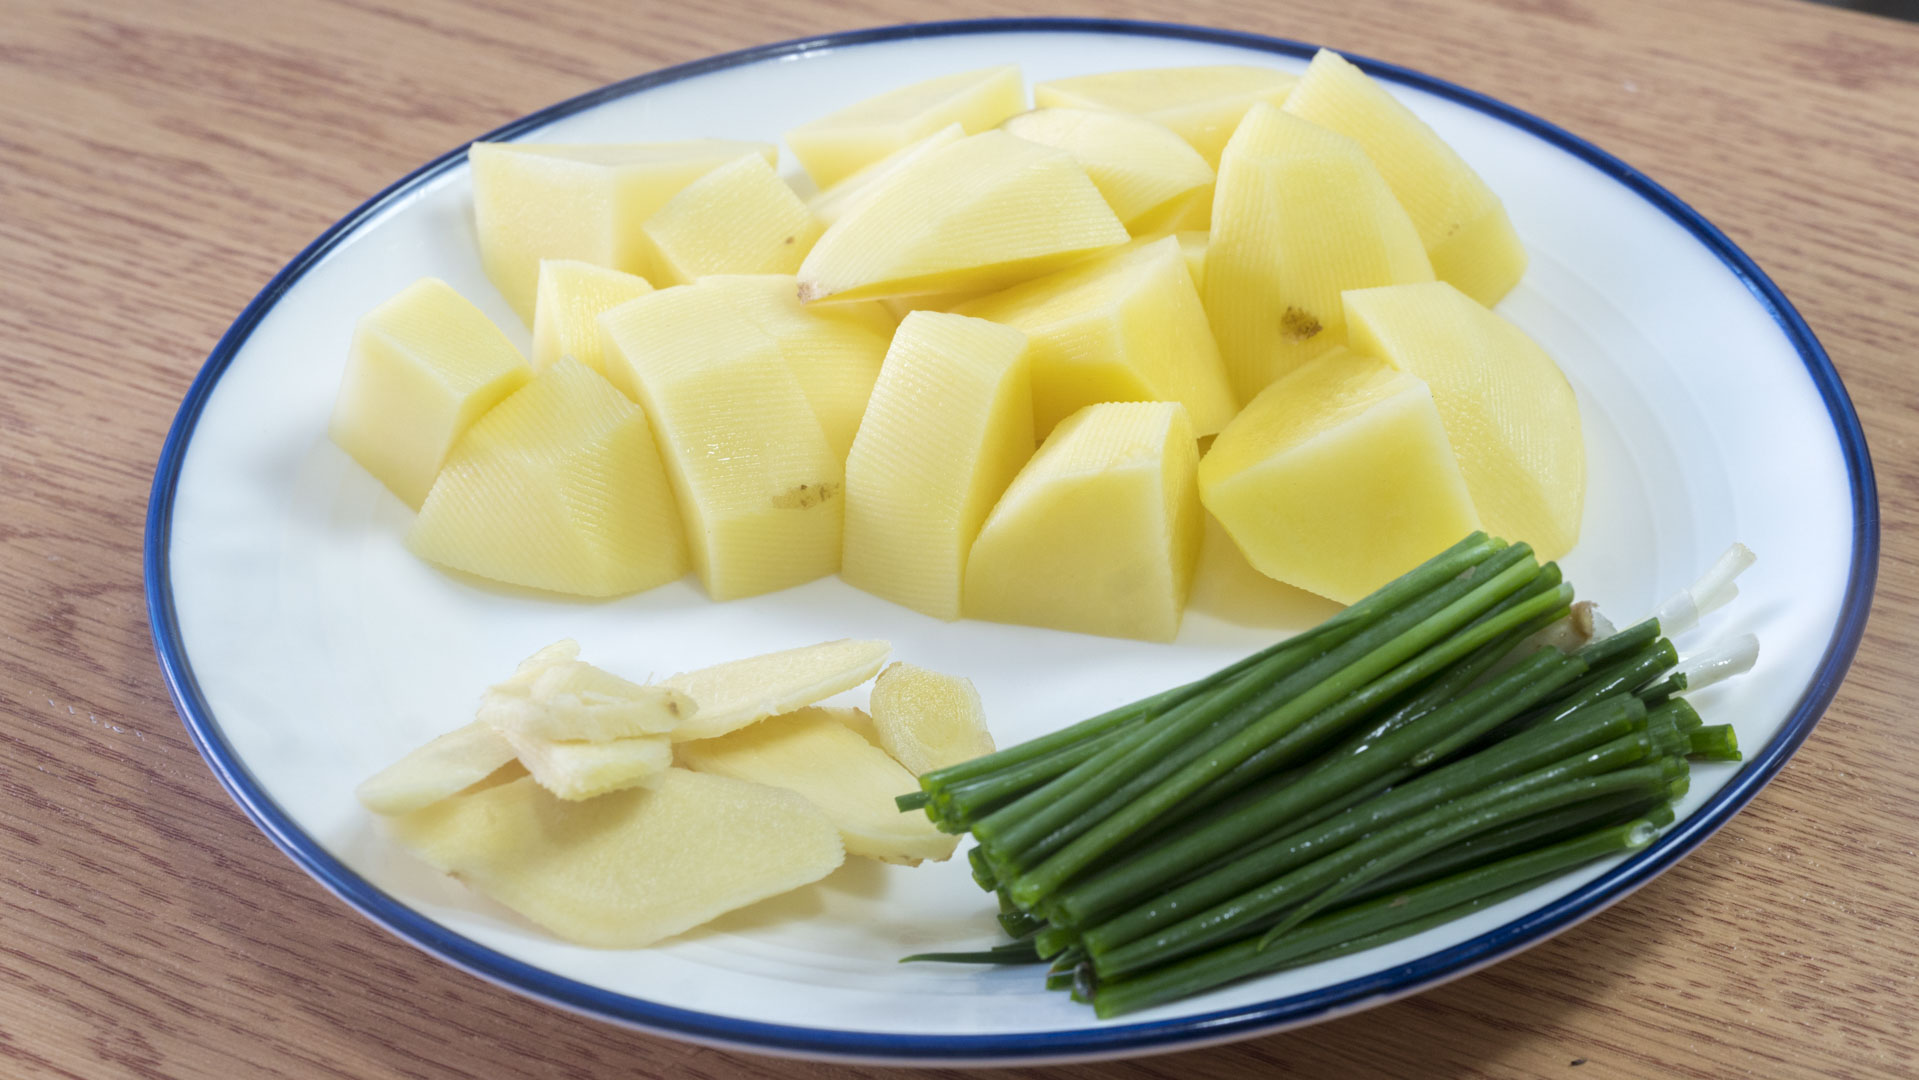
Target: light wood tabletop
160,161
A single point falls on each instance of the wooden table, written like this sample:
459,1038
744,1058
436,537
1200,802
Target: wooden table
159,161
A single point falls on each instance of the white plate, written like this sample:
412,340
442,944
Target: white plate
306,649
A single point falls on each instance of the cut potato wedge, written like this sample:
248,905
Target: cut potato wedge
927,720
423,367
534,201
741,218
1192,245
630,868
949,424
732,695
558,488
1464,226
981,213
834,202
1139,166
837,145
854,782
438,770
566,316
585,770
1202,104
1121,327
1100,532
554,696
1338,478
1300,214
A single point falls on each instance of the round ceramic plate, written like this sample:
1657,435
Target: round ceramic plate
306,649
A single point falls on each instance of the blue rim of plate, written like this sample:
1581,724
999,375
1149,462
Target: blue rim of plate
1097,1040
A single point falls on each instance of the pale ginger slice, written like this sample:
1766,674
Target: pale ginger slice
438,770
732,695
585,770
630,868
810,751
927,720
555,696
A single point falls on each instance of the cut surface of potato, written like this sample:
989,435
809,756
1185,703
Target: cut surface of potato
630,868
422,368
1201,104
555,696
584,201
759,487
559,488
1121,327
566,315
741,218
840,144
981,213
1338,478
585,770
1509,412
949,424
732,695
1300,214
832,203
1100,531
438,770
927,720
810,752
1468,236
1138,165
1192,245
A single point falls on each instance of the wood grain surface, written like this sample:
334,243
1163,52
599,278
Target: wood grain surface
160,159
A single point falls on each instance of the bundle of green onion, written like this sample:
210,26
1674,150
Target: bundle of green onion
1404,763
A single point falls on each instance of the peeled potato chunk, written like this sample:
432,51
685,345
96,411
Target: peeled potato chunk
981,213
1192,245
732,695
833,203
1464,226
627,869
566,317
811,752
927,720
1202,104
555,696
1507,408
558,488
1338,478
422,368
585,770
1300,214
949,424
1142,168
1100,532
741,218
839,144
441,769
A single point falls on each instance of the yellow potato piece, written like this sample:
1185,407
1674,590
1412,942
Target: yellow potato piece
566,317
1192,245
558,488
981,213
422,368
627,869
1464,226
585,770
741,218
842,143
949,424
810,752
833,203
555,696
1509,412
732,695
1202,104
1139,166
927,720
1122,327
534,201
1338,478
759,487
1099,533
1300,214
438,770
